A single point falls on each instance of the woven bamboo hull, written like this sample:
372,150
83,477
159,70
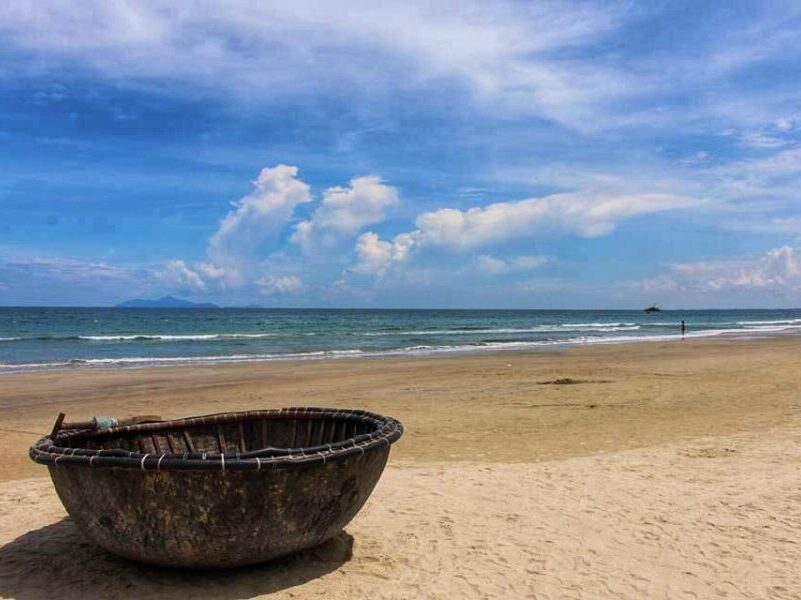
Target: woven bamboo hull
199,519
219,490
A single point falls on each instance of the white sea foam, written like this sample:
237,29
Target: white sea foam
591,325
794,322
173,338
536,329
162,360
220,358
34,366
735,325
595,327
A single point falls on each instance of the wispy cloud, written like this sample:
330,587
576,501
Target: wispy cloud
504,266
270,285
53,281
498,50
179,276
547,58
66,269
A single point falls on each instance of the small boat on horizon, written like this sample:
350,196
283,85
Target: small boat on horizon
652,309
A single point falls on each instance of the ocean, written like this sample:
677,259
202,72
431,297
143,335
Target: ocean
47,338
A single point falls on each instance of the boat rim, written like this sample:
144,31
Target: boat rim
384,432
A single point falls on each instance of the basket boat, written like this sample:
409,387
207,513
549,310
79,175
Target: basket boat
220,490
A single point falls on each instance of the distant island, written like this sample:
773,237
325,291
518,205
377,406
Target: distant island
164,302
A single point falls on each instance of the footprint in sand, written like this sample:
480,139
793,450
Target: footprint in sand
707,452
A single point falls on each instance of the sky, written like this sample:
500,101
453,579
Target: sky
401,154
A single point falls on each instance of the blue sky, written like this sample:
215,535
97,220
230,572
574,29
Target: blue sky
401,154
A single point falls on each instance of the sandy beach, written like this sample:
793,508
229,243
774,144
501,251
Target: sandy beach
619,471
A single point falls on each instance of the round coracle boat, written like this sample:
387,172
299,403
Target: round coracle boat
220,490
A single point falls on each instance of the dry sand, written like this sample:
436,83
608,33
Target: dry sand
664,470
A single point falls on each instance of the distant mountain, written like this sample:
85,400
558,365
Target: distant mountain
164,302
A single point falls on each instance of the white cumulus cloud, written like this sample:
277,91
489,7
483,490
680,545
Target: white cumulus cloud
344,211
247,239
254,226
579,213
373,253
777,271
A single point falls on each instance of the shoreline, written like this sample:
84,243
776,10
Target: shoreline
512,348
558,348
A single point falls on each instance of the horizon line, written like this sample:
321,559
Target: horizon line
366,308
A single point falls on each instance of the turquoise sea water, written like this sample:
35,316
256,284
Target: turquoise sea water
41,338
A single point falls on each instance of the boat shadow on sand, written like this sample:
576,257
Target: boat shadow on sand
57,561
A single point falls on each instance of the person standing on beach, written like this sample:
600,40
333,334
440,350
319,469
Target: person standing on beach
683,329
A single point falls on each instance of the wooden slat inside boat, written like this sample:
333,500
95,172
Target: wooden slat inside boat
220,490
